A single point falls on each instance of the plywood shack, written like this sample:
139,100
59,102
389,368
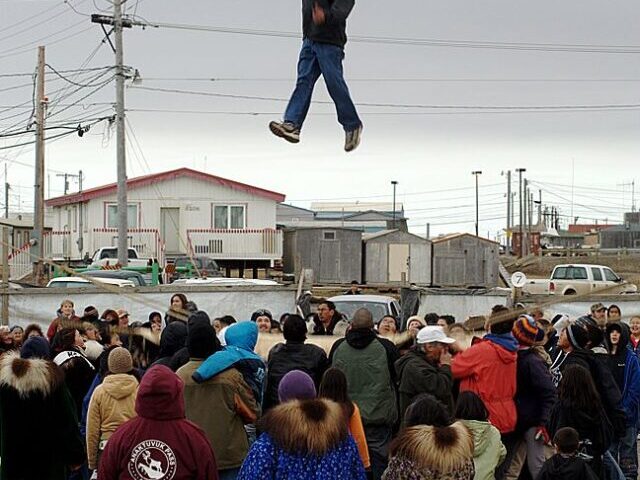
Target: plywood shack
395,256
464,260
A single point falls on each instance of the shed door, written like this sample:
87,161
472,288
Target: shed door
170,229
329,262
420,264
398,262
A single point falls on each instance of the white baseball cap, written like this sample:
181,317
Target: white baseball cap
432,334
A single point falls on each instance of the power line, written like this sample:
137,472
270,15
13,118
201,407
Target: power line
400,105
73,70
16,50
28,19
71,81
428,42
398,80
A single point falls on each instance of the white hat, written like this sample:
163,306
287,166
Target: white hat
431,334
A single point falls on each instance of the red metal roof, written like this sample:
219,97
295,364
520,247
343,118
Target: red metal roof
138,182
586,228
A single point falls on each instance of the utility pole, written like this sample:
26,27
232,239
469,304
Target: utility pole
120,134
394,183
520,172
508,200
7,187
428,231
80,216
476,174
540,206
38,217
66,181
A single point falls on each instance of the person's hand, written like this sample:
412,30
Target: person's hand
456,347
318,14
75,468
445,357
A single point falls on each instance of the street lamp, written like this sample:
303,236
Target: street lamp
394,183
476,174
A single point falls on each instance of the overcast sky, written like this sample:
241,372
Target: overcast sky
427,151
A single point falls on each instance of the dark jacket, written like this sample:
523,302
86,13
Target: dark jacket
333,30
610,394
566,467
159,439
172,339
368,363
625,369
79,373
39,435
285,357
535,392
418,375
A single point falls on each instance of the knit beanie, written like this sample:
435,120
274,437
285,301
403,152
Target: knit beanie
578,337
120,361
35,347
201,338
526,332
296,385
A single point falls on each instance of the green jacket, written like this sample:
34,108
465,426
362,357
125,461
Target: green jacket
417,375
220,406
488,450
367,362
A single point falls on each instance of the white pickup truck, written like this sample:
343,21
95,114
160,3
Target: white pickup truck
580,279
109,256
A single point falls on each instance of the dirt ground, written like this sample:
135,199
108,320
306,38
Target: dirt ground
627,266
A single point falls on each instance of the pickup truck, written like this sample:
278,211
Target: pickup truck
109,256
580,279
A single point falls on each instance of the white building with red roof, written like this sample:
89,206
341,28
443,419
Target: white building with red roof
173,213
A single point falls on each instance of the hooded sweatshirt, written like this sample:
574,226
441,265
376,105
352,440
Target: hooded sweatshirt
160,443
488,450
172,339
488,369
112,404
566,467
626,371
240,339
333,31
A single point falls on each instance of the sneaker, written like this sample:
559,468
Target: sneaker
286,130
352,139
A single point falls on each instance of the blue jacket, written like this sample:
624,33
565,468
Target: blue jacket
85,404
241,339
535,392
631,392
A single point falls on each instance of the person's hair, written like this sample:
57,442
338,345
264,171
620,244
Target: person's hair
612,306
567,440
109,313
66,301
294,329
431,318
334,387
87,326
275,325
182,297
395,321
330,305
501,320
457,326
227,320
103,364
64,340
106,334
427,410
577,390
471,407
635,317
32,327
16,327
362,319
283,317
152,315
450,319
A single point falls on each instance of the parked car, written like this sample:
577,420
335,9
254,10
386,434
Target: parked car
137,278
224,282
205,266
578,279
78,282
378,305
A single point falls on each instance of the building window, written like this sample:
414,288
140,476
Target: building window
229,217
112,215
329,235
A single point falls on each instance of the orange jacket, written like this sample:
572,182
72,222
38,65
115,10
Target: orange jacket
357,432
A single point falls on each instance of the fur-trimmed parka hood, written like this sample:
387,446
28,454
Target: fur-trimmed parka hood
444,450
308,426
29,376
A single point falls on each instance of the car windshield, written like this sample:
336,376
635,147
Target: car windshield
182,262
72,284
378,310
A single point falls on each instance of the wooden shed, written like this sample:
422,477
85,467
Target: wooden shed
334,254
464,260
395,256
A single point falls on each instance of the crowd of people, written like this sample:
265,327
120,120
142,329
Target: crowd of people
184,396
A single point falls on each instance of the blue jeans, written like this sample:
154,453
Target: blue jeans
378,439
326,59
230,474
610,467
625,452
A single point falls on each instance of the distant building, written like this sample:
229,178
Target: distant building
464,260
553,238
626,235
